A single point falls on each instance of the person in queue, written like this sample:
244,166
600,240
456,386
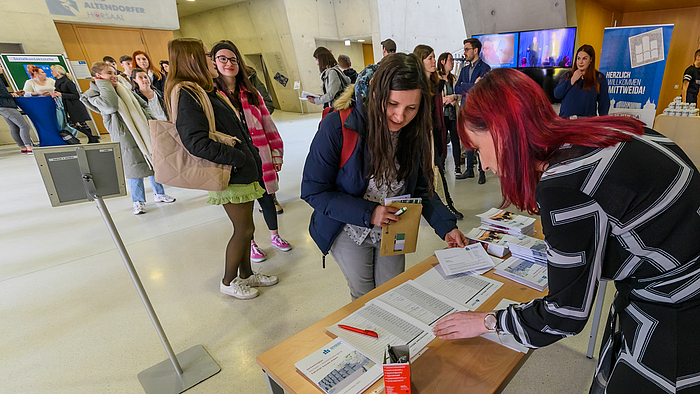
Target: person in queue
76,111
235,84
142,85
392,158
427,57
126,117
143,61
189,62
450,100
164,67
583,91
605,214
127,63
332,77
19,128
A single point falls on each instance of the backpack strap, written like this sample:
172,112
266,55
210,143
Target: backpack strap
349,138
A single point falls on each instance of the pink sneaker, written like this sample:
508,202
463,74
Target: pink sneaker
256,254
280,243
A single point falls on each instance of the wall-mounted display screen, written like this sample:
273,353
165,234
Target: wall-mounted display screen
499,50
546,48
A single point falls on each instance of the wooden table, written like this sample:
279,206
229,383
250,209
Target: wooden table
474,365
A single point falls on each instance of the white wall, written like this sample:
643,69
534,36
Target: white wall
436,23
495,16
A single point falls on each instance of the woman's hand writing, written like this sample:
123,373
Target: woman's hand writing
384,216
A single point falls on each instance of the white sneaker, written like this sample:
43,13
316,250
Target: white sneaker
238,289
259,280
139,207
164,198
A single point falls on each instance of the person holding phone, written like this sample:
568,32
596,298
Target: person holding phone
391,158
583,90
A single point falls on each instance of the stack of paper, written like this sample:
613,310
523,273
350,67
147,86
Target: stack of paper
495,241
507,222
525,272
339,369
472,259
528,248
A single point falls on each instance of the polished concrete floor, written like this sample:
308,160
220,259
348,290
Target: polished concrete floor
71,320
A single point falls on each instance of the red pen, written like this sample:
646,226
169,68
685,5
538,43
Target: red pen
369,333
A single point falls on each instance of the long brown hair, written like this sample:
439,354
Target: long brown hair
398,72
590,78
188,62
151,67
325,58
441,67
422,52
241,79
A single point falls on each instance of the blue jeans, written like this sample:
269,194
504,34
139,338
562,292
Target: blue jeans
138,193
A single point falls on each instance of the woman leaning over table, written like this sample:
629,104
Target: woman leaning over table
234,83
391,158
605,214
190,62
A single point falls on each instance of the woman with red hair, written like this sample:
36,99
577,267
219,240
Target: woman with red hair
617,201
143,61
39,84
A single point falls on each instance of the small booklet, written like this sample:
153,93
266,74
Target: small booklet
525,272
508,222
305,95
472,258
528,248
339,369
495,241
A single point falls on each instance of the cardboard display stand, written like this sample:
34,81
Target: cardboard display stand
77,173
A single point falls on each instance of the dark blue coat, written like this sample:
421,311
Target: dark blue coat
464,83
337,194
575,100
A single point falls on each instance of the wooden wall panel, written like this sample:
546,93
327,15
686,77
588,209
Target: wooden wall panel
368,54
157,43
684,42
592,19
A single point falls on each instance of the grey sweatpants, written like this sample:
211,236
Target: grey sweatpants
363,268
19,128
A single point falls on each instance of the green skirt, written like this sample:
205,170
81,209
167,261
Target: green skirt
236,194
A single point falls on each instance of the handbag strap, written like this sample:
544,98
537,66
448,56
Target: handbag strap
200,95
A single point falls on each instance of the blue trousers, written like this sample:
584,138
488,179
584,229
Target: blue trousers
138,193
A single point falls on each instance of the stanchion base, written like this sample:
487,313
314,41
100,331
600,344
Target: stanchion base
197,366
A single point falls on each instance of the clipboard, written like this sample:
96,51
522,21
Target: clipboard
401,237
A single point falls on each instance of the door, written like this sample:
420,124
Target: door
258,63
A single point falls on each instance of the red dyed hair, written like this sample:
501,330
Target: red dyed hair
32,69
155,70
527,132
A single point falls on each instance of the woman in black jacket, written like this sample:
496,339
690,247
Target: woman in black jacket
189,62
76,111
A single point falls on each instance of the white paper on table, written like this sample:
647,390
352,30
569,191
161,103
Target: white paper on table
393,327
420,303
455,261
506,340
469,291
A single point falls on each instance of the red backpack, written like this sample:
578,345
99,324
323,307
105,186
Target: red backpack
349,136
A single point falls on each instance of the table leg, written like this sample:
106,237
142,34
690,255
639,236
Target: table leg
272,386
596,317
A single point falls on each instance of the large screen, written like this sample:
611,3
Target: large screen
547,48
498,50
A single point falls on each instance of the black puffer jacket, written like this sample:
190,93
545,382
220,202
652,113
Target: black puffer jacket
193,128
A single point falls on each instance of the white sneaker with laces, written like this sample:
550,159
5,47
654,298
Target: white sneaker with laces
259,280
238,289
139,207
164,198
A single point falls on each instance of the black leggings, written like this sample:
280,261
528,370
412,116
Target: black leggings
451,125
267,203
440,163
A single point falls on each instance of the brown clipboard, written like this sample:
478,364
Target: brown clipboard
401,237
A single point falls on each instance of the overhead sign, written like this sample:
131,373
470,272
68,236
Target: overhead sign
135,13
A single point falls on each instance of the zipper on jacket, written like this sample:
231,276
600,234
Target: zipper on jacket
324,260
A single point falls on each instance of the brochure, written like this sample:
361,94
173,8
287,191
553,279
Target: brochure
508,222
524,272
455,261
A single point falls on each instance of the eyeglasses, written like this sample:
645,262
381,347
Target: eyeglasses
468,49
224,60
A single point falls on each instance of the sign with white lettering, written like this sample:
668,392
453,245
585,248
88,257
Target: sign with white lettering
134,13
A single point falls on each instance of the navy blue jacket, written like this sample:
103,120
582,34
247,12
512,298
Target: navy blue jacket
464,83
575,100
337,194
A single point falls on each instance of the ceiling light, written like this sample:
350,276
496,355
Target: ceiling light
360,40
347,43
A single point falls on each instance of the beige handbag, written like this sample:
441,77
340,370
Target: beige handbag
173,164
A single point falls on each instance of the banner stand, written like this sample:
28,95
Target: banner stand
168,376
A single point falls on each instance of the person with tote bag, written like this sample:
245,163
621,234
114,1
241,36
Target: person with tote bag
191,74
126,119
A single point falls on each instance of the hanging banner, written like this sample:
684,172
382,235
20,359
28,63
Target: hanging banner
633,60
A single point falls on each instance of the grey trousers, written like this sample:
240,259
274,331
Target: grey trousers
363,268
19,128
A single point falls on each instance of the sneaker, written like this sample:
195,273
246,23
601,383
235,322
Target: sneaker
238,289
278,207
280,243
164,198
139,207
259,280
29,150
23,149
256,254
458,171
